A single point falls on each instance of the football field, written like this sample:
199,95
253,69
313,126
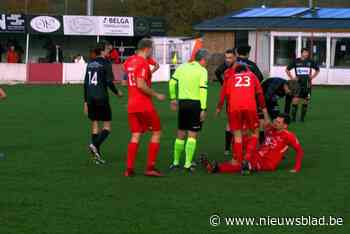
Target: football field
49,185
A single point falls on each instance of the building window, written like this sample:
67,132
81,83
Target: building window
318,49
285,50
340,52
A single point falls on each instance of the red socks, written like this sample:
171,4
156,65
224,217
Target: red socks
132,152
251,147
237,149
153,149
228,167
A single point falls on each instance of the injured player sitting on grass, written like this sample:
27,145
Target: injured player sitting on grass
269,155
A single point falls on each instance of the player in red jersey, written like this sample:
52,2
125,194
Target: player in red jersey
242,90
271,152
142,114
155,65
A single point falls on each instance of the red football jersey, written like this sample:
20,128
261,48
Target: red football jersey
151,61
137,67
241,91
276,145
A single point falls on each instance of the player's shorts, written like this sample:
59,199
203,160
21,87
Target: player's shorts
99,111
189,115
141,122
299,89
243,120
258,163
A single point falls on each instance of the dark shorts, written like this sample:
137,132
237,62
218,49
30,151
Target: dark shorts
99,111
300,89
189,116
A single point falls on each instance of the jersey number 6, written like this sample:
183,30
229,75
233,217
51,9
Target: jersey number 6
242,81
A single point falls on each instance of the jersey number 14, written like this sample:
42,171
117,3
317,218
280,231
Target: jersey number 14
93,78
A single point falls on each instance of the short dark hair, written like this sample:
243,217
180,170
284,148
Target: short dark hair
101,46
144,43
305,49
285,117
201,54
230,51
244,50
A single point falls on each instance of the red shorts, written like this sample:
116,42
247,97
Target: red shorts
259,163
243,120
144,121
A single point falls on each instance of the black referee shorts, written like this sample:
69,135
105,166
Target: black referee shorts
99,111
189,115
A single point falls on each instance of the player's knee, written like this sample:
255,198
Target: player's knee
135,137
181,134
156,136
192,134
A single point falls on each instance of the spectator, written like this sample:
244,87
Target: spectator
55,54
12,55
79,59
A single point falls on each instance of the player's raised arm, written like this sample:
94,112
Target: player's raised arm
2,94
294,143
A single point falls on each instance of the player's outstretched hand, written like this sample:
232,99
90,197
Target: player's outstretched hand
173,105
293,171
160,97
86,109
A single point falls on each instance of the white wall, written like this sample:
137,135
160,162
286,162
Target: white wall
13,73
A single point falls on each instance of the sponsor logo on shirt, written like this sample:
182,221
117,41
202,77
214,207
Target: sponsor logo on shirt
303,71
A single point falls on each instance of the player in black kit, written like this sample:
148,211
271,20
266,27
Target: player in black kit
304,75
99,76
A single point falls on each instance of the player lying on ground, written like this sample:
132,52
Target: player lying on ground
270,153
142,114
242,91
2,94
99,76
190,100
230,60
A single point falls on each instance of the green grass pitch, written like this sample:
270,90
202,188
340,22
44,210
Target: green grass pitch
48,185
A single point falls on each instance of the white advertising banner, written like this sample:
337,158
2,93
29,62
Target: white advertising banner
81,25
116,26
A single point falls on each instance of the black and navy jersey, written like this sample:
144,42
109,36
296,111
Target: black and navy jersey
303,69
220,71
274,88
252,66
99,76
